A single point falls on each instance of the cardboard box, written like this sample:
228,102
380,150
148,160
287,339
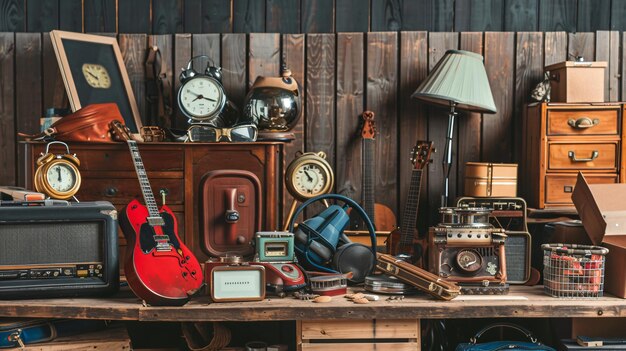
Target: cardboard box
602,209
572,81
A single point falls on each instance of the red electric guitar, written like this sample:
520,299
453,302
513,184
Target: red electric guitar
403,241
159,268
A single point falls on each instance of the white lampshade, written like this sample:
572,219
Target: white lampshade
459,78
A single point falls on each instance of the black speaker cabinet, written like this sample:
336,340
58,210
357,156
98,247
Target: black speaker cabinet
58,249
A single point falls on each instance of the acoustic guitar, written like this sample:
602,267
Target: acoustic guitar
381,216
404,241
159,268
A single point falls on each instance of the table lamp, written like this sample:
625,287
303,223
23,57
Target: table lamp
458,81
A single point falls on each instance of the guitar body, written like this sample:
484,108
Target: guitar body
158,276
415,250
384,219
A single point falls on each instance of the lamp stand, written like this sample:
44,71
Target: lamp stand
447,157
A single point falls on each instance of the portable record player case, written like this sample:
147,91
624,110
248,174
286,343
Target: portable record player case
603,213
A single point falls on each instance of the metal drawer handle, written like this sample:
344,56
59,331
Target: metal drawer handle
110,191
572,156
583,122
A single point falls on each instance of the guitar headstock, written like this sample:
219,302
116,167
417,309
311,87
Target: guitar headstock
368,131
420,155
119,132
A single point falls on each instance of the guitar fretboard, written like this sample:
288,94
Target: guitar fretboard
144,183
369,168
409,219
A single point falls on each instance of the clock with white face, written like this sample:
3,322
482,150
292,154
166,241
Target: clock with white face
309,175
201,97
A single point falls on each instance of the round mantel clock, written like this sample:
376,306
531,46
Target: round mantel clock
307,176
57,176
201,96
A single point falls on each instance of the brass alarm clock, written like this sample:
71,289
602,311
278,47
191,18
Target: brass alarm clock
308,176
57,176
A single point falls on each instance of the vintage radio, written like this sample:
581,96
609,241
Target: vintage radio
230,279
467,249
54,248
279,277
509,213
273,247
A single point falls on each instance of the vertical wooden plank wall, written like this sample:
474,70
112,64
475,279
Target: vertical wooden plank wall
340,76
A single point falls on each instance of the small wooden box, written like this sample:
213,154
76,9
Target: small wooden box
572,81
361,334
490,179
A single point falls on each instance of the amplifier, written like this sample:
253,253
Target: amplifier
55,248
509,213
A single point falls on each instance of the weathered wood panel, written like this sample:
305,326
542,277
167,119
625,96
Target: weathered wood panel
12,16
607,49
42,15
469,142
100,16
350,102
28,93
521,15
498,128
442,15
438,44
413,120
201,44
71,15
7,109
318,16
478,15
352,15
386,15
234,66
264,56
381,98
53,89
593,15
182,55
618,15
581,44
167,16
282,16
555,48
133,48
528,71
133,16
294,59
248,16
166,45
557,15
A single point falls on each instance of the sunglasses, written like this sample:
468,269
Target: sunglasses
210,134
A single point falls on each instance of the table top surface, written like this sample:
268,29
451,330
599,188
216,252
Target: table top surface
521,302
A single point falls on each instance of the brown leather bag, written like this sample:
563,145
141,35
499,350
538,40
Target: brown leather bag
89,124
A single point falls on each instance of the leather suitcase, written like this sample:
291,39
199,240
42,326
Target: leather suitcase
490,179
230,209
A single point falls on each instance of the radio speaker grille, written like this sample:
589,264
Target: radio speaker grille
517,253
29,243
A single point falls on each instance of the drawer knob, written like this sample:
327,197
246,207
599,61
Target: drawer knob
111,191
572,156
583,122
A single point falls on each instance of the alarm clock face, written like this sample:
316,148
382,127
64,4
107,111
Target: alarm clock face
201,97
96,76
61,177
309,179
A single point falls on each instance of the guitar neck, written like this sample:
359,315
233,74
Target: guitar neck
153,210
409,218
369,168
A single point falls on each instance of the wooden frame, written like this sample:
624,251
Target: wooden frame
74,51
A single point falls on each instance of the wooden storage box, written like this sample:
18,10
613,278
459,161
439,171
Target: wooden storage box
490,179
359,334
572,81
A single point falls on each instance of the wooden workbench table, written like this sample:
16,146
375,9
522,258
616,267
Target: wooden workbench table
125,307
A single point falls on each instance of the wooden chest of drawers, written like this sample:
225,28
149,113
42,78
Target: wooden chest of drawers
108,174
561,139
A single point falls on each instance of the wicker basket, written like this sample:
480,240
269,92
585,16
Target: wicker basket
573,271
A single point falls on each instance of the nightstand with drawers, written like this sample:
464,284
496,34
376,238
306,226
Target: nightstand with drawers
559,140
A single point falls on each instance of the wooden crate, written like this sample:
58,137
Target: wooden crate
374,334
115,339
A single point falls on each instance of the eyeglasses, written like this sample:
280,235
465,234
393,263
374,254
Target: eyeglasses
210,134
